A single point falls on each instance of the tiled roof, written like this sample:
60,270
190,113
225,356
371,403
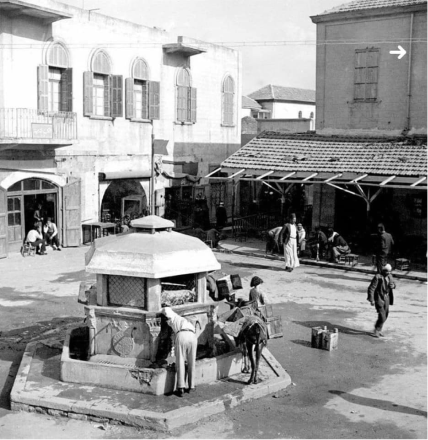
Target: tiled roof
359,5
314,153
283,93
249,103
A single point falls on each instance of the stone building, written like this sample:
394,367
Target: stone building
367,162
82,95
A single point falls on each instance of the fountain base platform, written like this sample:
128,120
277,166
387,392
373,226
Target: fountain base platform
130,374
38,388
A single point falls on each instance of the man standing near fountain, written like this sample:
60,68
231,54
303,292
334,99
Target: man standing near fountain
186,345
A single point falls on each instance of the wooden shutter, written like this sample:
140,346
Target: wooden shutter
43,88
3,223
154,99
88,86
182,103
116,96
71,216
67,90
372,74
129,98
360,75
107,95
192,104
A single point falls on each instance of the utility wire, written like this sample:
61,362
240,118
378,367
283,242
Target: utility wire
121,45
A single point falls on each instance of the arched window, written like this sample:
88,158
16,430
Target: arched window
228,98
300,115
186,97
142,95
54,80
102,90
312,115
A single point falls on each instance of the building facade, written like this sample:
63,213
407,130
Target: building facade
280,102
87,104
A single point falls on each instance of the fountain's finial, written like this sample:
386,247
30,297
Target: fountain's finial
153,223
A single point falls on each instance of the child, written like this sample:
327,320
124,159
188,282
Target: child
256,293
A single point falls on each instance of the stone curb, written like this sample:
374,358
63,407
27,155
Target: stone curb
101,411
325,264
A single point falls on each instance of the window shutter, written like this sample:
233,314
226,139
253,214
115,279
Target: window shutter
88,85
181,103
372,74
107,93
67,90
116,83
192,104
42,88
154,99
129,97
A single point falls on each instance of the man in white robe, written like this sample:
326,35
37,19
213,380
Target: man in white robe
288,237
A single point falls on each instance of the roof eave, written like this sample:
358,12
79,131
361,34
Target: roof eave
363,13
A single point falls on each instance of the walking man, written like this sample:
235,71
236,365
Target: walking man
384,243
380,294
288,238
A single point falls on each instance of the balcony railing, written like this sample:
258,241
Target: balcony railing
24,124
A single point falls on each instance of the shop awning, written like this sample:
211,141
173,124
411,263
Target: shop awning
275,158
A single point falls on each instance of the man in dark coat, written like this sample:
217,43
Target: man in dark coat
384,243
380,294
338,245
221,216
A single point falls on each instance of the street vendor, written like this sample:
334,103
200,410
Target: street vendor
186,344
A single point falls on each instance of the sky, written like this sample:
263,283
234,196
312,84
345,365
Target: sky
276,37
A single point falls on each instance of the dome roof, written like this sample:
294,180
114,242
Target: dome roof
150,255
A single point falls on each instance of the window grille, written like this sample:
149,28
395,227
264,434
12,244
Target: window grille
126,291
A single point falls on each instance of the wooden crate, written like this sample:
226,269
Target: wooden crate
274,327
266,311
325,339
402,264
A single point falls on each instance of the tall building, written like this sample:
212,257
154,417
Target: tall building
367,162
85,98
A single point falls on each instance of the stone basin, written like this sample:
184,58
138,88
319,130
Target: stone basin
119,373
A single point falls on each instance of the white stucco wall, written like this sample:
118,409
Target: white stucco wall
125,144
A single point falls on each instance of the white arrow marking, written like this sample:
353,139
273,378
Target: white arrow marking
401,52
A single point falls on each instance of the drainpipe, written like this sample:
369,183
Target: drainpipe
152,178
409,73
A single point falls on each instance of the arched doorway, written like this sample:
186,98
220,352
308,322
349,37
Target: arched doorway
23,198
123,197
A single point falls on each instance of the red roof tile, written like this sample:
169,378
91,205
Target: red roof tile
314,153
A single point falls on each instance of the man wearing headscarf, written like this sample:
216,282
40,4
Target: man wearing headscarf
288,238
186,344
380,294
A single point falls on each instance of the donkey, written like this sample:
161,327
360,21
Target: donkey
252,337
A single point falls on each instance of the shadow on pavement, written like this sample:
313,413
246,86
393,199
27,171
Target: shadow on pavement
378,403
330,326
301,342
13,343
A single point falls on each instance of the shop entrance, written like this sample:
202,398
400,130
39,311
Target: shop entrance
123,197
23,199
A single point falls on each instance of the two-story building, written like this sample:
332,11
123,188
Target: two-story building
100,117
367,162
